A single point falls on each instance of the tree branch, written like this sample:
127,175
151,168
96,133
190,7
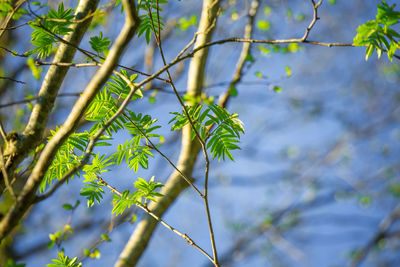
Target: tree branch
33,132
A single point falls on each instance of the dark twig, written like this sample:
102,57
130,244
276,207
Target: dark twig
34,98
95,64
11,79
157,34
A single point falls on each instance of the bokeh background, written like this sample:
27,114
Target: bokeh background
318,173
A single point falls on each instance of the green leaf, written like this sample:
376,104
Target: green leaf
276,89
376,34
263,25
288,71
232,91
45,31
184,23
105,237
146,189
223,138
35,70
64,261
293,47
123,202
67,206
267,10
250,58
93,192
264,50
258,74
11,263
95,254
368,52
99,43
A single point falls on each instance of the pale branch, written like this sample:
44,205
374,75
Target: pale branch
278,41
237,76
184,236
3,133
27,196
5,174
314,20
10,15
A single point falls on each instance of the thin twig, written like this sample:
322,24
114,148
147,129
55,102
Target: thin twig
11,79
14,27
93,64
30,99
157,218
203,145
16,54
314,20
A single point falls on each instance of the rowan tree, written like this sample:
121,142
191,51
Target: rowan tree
126,61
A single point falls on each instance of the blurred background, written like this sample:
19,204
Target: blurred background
317,182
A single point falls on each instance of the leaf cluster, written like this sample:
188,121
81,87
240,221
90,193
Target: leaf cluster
6,7
64,261
137,150
68,156
55,23
100,44
93,189
150,18
223,139
106,102
379,34
145,191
